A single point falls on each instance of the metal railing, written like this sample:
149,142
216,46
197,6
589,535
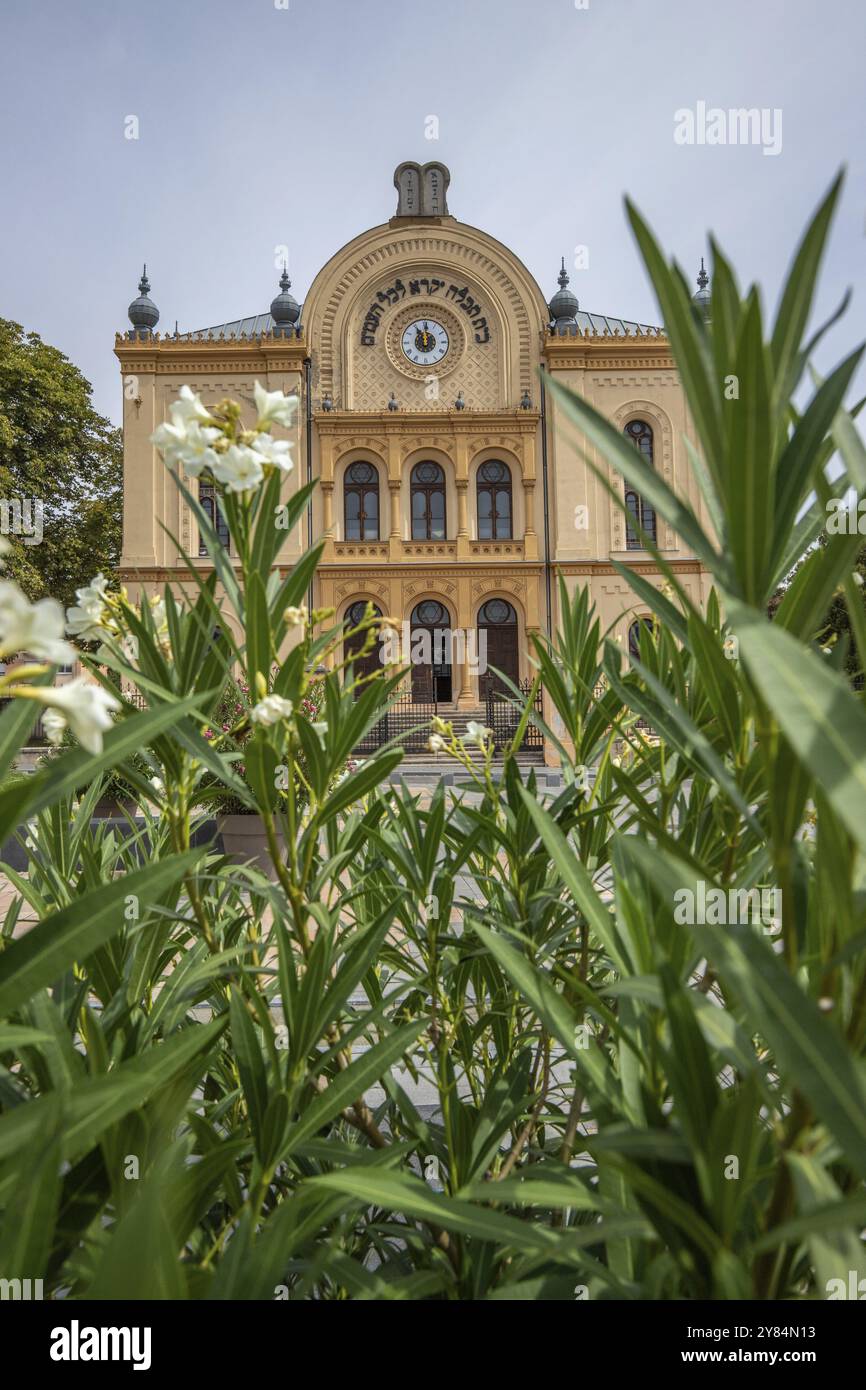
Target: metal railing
503,716
408,720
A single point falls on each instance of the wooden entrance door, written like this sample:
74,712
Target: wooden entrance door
497,621
431,679
369,664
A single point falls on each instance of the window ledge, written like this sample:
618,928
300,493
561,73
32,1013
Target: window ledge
370,549
509,547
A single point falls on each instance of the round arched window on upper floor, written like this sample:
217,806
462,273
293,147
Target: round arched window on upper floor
493,500
361,502
641,515
427,490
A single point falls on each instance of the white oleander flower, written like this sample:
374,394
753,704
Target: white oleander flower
86,617
275,451
157,612
36,628
189,444
188,408
274,407
295,617
54,725
168,438
196,451
85,707
476,733
270,710
436,743
239,468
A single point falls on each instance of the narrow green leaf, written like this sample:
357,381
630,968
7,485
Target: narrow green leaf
73,933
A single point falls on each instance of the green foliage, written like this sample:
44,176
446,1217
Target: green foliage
56,449
471,1048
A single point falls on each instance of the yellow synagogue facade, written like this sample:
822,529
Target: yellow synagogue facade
451,490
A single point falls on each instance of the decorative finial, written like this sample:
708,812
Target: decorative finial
143,313
285,310
327,401
526,401
702,299
459,404
563,306
392,404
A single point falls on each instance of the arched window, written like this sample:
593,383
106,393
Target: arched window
211,508
641,514
634,635
427,485
361,502
493,484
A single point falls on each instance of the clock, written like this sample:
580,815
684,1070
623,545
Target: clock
424,342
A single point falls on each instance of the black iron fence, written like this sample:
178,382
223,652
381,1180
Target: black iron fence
408,720
504,713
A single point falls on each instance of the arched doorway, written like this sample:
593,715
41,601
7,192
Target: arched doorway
497,630
371,663
430,637
634,633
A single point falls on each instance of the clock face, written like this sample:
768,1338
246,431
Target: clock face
425,342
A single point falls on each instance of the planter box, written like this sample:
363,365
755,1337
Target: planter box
114,808
245,842
12,853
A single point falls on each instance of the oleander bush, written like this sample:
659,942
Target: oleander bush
505,1045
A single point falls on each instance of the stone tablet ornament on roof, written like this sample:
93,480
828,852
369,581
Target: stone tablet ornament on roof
421,189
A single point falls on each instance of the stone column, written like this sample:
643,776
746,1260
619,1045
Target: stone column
530,538
467,697
462,507
461,479
463,548
395,539
327,487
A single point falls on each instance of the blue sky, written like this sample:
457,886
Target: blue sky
261,126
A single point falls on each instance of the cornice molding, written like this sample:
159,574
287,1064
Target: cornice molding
171,355
342,422
590,567
607,352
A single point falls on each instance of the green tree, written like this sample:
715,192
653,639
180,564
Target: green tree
56,450
836,626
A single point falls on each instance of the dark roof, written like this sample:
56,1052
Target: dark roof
236,328
606,323
596,323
